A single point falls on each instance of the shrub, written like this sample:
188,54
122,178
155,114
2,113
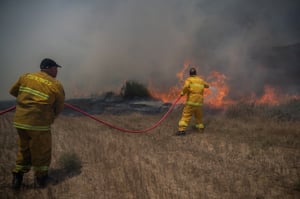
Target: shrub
132,89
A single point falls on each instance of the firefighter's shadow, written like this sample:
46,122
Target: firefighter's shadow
69,166
59,175
56,176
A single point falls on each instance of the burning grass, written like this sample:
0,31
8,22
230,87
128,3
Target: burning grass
244,152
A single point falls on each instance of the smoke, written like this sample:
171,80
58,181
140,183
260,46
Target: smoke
101,44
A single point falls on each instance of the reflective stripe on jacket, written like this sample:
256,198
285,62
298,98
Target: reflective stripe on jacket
194,87
40,98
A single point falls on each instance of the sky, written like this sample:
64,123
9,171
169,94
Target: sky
103,43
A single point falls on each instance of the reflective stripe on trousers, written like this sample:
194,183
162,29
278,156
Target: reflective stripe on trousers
21,168
31,127
34,148
187,113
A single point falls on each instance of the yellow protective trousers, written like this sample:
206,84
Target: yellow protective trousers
187,113
34,149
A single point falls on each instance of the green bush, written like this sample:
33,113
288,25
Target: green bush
132,89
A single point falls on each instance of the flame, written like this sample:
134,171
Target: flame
273,96
180,74
215,80
173,92
217,98
270,96
217,95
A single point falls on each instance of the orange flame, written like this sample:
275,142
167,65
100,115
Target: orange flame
215,79
174,91
217,98
270,96
217,95
180,74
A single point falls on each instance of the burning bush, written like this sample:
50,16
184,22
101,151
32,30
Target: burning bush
132,90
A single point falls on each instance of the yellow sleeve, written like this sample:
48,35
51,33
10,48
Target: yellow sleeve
59,100
14,90
185,88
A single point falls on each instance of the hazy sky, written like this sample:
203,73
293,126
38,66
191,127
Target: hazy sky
102,43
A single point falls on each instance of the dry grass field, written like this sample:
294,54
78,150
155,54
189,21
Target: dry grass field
235,157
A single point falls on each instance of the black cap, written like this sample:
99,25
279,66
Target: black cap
193,71
48,63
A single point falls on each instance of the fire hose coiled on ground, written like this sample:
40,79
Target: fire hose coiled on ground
108,124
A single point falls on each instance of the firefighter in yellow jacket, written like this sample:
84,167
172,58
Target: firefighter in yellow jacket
40,98
193,88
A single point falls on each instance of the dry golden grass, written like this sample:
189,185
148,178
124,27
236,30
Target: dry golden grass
233,158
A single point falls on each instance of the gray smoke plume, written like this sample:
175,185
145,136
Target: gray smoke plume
101,44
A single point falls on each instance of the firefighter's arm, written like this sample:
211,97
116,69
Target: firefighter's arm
14,90
185,88
59,101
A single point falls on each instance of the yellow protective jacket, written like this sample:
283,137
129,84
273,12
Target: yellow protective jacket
40,98
194,87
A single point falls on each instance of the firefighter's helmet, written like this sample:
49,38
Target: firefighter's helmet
193,72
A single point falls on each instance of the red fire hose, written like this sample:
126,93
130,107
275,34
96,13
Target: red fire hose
108,124
7,110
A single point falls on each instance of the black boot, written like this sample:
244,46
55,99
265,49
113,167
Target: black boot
17,180
179,133
41,181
